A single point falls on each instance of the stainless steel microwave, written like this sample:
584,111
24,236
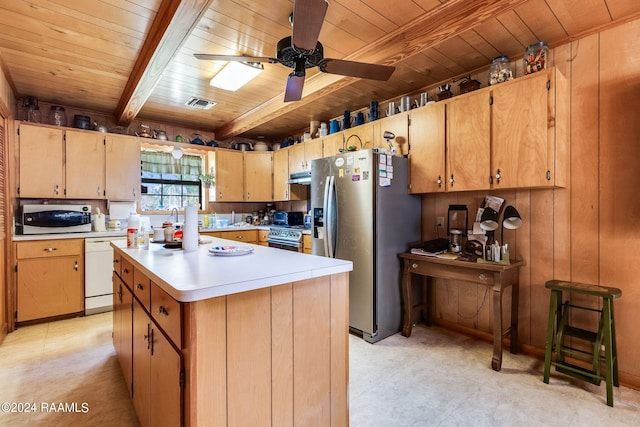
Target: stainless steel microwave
45,219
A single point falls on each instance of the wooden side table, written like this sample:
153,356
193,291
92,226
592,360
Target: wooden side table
497,276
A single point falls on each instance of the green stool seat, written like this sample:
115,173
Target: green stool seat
604,338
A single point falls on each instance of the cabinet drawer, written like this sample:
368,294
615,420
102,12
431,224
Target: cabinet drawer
117,263
50,248
248,236
126,272
167,313
142,288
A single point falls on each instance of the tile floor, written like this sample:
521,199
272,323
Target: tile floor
434,378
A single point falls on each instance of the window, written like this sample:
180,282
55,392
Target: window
169,183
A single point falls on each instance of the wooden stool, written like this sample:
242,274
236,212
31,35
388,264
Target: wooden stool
604,337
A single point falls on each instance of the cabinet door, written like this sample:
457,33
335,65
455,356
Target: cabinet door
85,164
41,162
468,142
296,158
360,137
50,287
398,124
521,148
165,389
122,328
280,175
122,167
258,176
229,166
312,151
141,364
426,152
331,144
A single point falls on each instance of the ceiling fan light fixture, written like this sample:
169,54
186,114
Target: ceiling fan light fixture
236,74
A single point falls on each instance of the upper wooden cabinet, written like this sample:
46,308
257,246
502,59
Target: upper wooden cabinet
258,176
468,145
511,135
242,176
41,168
85,164
301,155
122,167
332,144
398,125
78,164
280,175
529,131
228,166
426,154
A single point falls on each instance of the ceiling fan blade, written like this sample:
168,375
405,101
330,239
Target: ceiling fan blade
356,69
308,16
293,92
244,58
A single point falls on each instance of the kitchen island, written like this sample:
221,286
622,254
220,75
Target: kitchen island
257,339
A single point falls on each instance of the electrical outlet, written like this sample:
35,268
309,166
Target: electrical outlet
440,222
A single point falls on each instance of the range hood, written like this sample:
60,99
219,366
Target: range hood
303,178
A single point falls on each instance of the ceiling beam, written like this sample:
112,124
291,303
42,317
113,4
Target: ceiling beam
174,22
435,26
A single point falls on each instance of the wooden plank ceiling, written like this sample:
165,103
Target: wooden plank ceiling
135,58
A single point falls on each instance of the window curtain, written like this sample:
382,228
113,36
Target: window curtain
164,163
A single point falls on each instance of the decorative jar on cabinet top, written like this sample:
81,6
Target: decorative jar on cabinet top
500,70
535,57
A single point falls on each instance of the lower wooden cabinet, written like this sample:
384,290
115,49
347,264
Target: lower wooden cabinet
50,278
157,367
122,332
247,236
149,357
306,243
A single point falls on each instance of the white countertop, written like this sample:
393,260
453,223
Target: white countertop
121,234
194,276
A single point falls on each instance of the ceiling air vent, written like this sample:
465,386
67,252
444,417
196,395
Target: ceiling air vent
199,103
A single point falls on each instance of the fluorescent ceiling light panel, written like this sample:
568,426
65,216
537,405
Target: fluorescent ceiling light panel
236,74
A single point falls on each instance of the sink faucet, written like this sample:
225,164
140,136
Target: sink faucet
171,215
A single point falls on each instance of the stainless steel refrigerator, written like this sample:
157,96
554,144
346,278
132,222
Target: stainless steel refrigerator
362,212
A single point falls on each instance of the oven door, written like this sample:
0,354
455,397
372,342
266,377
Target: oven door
287,246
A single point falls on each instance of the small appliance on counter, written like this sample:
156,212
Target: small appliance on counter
288,219
45,219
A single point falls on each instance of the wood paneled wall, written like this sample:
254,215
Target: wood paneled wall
7,112
588,231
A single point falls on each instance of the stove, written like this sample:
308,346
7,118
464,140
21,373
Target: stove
285,237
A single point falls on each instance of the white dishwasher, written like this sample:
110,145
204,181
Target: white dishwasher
98,268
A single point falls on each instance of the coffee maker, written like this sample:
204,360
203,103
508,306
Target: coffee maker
457,226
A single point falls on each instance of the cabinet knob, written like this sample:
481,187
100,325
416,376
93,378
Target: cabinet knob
451,180
56,189
248,195
163,310
239,237
482,276
76,266
98,191
498,176
50,249
414,265
439,181
126,271
139,287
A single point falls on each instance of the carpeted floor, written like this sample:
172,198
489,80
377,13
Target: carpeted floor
434,378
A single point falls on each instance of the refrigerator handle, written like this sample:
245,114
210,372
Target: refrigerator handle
325,213
331,227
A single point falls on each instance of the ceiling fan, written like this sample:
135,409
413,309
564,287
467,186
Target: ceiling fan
302,50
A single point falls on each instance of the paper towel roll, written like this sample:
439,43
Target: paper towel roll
190,229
